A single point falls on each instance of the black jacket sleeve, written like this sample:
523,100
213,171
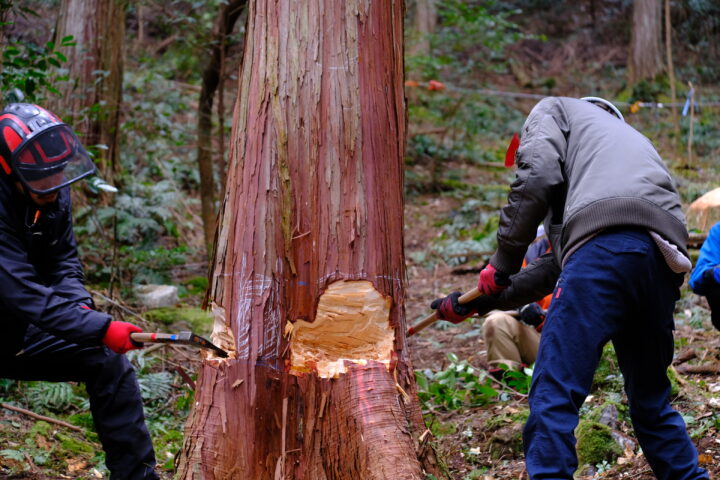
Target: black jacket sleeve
530,284
26,298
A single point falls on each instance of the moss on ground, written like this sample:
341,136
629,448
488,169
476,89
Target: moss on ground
595,443
72,445
195,319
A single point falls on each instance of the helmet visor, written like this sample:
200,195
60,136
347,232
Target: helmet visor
51,160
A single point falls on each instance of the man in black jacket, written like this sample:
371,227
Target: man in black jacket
618,237
50,330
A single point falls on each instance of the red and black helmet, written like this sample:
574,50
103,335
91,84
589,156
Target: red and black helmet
40,150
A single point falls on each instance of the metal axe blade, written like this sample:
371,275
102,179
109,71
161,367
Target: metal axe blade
186,338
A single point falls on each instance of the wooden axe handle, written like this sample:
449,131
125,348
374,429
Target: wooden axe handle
432,318
154,337
141,337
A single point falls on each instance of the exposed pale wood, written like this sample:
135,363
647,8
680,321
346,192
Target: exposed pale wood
351,325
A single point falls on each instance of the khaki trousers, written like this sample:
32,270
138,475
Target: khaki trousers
508,341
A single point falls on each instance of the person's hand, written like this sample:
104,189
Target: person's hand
532,314
117,337
492,281
712,275
449,309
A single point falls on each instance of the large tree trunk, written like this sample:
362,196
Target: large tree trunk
227,17
308,282
90,100
645,46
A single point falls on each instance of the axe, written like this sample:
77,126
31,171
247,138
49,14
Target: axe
432,318
186,338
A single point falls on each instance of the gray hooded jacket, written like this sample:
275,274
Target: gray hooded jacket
580,170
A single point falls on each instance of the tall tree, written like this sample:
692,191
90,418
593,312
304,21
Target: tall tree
645,58
229,13
90,100
308,283
425,22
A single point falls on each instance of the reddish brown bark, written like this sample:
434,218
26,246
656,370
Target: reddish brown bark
312,215
90,100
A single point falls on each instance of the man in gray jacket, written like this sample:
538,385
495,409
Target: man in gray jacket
618,236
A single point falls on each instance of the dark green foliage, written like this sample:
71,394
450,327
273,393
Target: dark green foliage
518,380
33,69
470,36
195,319
195,286
82,420
607,375
696,24
54,396
649,90
457,386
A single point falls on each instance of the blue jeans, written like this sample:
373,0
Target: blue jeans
617,287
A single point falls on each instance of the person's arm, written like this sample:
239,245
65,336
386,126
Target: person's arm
25,296
703,275
530,284
538,178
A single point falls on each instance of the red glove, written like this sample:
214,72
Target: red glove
449,309
491,281
117,337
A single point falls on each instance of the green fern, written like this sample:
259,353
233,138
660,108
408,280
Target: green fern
54,396
155,386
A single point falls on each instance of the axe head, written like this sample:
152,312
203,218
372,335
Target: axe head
190,338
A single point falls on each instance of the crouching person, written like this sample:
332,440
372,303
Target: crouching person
50,330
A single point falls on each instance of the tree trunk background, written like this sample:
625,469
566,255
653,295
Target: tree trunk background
311,235
425,22
224,25
90,102
645,45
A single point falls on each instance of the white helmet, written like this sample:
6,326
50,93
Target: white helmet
605,105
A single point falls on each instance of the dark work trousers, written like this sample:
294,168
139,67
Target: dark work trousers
616,287
115,400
